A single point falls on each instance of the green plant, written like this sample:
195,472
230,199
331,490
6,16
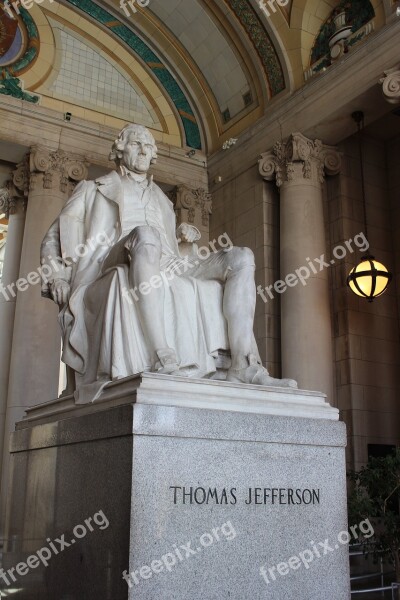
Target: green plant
375,495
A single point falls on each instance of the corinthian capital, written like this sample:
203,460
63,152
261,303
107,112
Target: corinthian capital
192,205
391,85
56,169
15,190
299,158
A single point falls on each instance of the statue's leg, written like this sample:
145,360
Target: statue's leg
71,384
239,303
144,251
236,269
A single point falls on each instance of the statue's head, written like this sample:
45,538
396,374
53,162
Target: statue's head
135,148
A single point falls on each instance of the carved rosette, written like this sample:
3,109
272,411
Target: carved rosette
15,190
192,206
21,178
56,169
10,197
299,157
7,202
391,85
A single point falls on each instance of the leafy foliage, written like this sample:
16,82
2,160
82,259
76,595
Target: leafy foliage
375,495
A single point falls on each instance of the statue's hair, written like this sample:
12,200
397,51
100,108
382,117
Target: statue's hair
119,144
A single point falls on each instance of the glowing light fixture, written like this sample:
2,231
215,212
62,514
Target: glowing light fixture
370,278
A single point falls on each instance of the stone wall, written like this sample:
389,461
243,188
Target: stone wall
366,335
393,162
367,349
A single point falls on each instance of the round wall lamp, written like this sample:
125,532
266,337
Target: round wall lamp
370,278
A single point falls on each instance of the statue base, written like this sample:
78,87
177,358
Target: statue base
169,488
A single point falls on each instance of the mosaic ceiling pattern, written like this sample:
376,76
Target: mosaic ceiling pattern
358,13
214,56
19,43
262,43
205,65
193,28
89,79
154,63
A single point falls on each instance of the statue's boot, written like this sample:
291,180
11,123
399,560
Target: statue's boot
167,363
256,374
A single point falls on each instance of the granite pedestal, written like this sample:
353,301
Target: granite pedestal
210,491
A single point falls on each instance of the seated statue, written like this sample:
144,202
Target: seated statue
129,302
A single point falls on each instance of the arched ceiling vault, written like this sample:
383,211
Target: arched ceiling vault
211,97
197,72
221,55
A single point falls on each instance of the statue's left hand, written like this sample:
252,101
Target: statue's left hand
188,233
60,291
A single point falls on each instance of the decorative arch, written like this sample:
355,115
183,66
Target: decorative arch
153,62
40,75
358,13
309,16
253,25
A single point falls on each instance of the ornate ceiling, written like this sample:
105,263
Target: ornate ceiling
196,71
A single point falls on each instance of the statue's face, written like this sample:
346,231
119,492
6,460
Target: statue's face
137,153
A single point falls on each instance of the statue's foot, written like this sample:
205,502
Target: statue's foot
256,374
167,363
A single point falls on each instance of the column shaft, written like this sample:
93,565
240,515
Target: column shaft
306,329
35,356
305,309
12,203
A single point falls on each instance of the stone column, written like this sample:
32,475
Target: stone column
298,167
13,199
35,356
391,85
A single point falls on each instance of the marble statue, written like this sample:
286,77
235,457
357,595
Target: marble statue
129,302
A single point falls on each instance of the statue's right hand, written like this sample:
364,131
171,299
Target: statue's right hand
60,291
